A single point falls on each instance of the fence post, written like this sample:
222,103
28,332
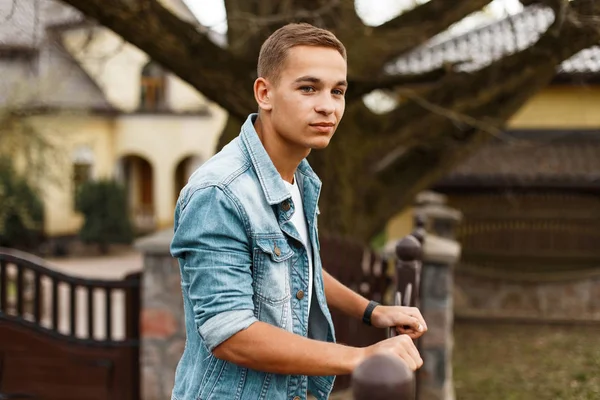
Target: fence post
408,270
382,377
162,322
440,253
419,231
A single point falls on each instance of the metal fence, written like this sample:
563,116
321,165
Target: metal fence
381,376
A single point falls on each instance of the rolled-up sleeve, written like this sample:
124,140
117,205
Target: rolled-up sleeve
211,243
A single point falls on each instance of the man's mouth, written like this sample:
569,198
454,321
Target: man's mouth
323,127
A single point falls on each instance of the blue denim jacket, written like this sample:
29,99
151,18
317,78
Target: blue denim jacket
241,261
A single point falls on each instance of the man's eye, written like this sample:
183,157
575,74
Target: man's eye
307,89
338,92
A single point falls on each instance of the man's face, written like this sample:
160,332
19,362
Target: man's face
308,100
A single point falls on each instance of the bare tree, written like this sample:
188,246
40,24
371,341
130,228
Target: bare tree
377,162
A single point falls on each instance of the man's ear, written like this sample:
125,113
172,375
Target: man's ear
262,89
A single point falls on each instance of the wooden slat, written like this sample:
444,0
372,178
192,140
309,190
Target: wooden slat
132,329
137,306
132,315
20,287
37,297
3,287
108,314
72,308
55,304
90,311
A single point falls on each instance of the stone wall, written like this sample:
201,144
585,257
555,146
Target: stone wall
566,296
162,325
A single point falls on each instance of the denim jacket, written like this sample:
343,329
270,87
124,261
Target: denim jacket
241,261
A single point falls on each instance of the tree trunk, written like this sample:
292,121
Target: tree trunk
375,164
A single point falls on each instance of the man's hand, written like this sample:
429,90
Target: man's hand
399,346
406,320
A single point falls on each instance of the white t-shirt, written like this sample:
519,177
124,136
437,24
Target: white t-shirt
299,221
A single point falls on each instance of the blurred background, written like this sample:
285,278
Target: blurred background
474,122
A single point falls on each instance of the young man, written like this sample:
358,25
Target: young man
255,294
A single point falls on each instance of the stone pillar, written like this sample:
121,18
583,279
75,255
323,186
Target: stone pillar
162,324
440,220
440,254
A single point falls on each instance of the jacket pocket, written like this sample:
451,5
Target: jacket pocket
272,258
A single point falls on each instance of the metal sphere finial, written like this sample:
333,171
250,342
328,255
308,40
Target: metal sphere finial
382,377
409,249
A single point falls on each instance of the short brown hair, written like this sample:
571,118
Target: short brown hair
274,50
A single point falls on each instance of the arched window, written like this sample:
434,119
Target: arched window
83,164
184,170
138,177
153,87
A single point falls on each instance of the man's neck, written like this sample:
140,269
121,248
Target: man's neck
285,157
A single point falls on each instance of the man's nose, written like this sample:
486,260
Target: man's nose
326,105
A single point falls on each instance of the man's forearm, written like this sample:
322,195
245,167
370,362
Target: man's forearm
343,298
266,348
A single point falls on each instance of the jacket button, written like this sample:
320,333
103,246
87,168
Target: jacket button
297,398
300,295
277,251
285,206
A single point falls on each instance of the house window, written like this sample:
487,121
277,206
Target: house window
153,87
82,164
82,173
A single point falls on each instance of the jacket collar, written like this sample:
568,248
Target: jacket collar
272,185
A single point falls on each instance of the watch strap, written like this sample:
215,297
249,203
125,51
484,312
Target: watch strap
369,311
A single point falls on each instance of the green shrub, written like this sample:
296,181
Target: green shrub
21,210
104,206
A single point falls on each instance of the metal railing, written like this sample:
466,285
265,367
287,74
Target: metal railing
33,294
384,377
48,322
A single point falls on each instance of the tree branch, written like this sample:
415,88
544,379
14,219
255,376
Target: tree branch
421,140
358,87
448,123
251,22
180,47
407,31
283,18
510,80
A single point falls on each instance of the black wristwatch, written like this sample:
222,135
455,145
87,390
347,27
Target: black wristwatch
369,311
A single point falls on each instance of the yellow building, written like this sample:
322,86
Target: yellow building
108,111
555,136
